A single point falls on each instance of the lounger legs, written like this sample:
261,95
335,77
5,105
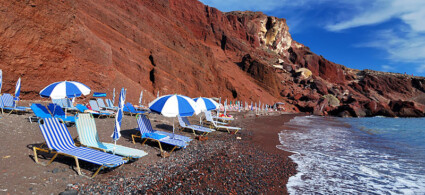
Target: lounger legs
43,150
173,149
133,136
98,170
78,166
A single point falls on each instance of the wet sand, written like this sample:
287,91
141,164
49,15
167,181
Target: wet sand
221,164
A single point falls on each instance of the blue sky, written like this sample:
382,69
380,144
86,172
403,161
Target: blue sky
384,35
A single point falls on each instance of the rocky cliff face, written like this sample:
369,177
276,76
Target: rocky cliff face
183,46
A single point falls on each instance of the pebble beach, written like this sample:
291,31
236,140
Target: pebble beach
245,163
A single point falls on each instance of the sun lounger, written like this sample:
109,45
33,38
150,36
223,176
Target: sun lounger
87,134
169,134
95,107
218,126
184,123
110,104
147,133
129,108
40,111
57,112
67,104
102,105
221,118
7,103
211,118
84,109
59,141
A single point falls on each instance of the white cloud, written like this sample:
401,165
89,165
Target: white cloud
411,12
387,68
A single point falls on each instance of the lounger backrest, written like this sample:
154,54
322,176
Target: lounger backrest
131,107
67,103
94,105
86,128
56,134
7,100
40,111
186,121
144,123
1,102
58,102
81,107
101,103
208,116
56,110
181,122
109,103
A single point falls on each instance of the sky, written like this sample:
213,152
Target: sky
383,35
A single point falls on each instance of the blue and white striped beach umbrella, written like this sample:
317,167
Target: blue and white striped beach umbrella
116,135
18,88
65,89
205,104
174,105
1,79
113,97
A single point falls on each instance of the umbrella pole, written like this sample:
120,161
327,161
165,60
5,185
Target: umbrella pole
115,144
173,127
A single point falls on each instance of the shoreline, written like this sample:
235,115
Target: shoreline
221,164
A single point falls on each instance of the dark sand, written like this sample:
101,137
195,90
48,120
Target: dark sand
222,164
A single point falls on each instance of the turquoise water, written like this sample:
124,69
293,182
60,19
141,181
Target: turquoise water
356,155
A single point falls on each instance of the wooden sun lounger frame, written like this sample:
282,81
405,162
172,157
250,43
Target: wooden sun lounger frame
146,139
35,149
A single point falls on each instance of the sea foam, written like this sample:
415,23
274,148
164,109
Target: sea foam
334,157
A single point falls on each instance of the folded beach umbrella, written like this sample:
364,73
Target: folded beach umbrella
65,89
18,88
113,97
173,106
1,79
116,135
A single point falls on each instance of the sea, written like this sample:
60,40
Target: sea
356,155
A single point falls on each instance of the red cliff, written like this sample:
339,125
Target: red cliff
183,46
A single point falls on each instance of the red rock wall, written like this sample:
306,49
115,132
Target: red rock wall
182,46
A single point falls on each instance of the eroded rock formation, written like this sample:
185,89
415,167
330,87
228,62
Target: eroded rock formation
183,46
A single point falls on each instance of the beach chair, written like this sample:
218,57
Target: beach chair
212,118
67,104
59,141
87,134
57,112
129,108
102,105
84,109
217,126
147,133
185,124
169,134
40,111
95,107
7,103
110,104
58,102
220,118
